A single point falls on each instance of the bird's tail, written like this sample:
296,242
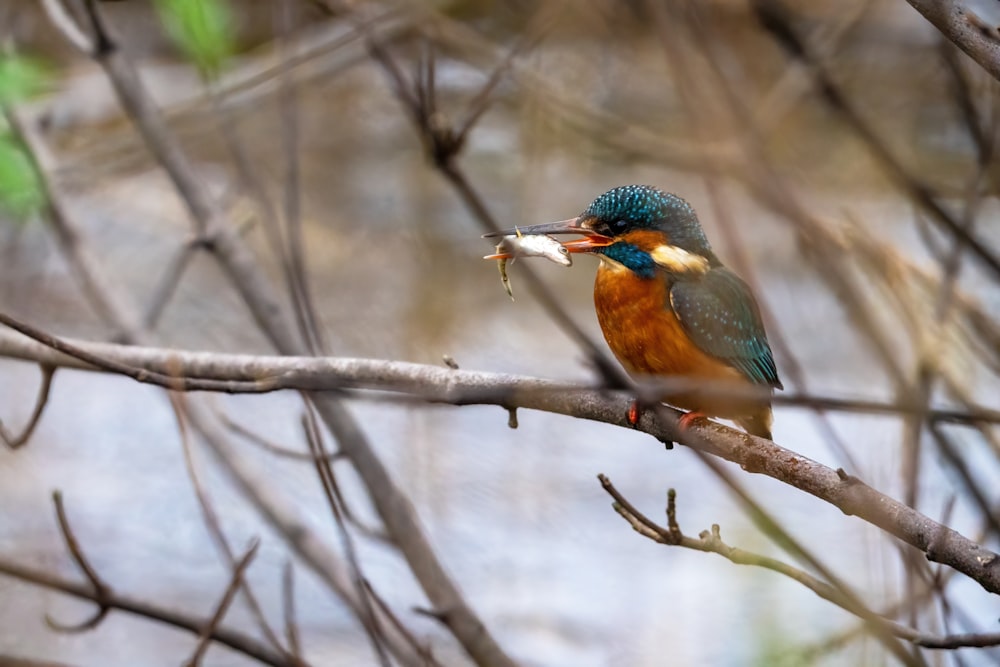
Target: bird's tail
759,423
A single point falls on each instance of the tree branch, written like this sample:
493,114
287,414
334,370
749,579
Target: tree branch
964,29
180,370
240,264
446,385
711,542
237,641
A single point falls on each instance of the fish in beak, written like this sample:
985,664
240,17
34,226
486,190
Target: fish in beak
577,225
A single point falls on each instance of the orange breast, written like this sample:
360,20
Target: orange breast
642,331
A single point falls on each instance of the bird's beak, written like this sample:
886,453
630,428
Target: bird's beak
590,241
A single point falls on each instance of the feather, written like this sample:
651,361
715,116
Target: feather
719,314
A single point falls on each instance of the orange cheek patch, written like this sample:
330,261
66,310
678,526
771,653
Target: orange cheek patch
646,239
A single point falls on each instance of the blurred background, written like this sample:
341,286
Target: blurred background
696,98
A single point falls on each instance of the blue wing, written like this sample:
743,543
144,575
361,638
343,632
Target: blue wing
720,315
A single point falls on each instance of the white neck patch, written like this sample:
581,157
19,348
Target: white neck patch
612,265
678,260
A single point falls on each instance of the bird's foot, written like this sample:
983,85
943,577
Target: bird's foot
687,420
634,414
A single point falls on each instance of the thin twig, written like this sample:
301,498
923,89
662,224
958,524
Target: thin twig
235,583
267,445
308,319
711,542
101,590
324,461
774,17
482,101
324,471
168,284
288,610
767,523
16,441
212,523
423,649
960,464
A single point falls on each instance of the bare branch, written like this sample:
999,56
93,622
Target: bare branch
92,280
770,526
323,461
166,380
239,263
979,40
212,523
285,516
267,445
711,542
324,470
424,650
940,543
773,17
61,18
235,640
231,373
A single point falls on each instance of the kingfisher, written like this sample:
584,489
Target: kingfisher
668,307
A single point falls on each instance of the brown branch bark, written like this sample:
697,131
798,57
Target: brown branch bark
181,370
965,30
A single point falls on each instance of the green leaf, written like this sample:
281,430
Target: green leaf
202,29
20,190
20,78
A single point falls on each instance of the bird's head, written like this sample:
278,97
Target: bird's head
637,227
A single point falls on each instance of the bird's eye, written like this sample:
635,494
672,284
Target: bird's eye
563,250
610,226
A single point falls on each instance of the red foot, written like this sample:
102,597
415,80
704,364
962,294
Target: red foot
687,420
634,413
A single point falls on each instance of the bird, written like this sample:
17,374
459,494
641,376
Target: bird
669,308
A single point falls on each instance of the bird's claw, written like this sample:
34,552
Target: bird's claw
634,414
687,420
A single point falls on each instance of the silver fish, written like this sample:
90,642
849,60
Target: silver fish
535,245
